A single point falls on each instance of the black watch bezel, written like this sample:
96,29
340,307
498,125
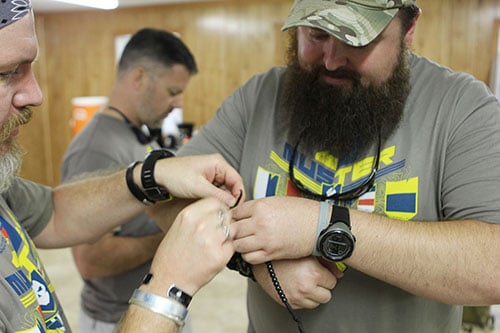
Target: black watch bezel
152,190
336,242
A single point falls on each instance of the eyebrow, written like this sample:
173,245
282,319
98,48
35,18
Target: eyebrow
174,91
20,61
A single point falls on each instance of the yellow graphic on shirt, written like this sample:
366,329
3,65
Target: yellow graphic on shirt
35,291
324,170
395,192
401,199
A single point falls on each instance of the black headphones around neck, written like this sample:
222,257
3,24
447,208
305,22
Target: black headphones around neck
143,138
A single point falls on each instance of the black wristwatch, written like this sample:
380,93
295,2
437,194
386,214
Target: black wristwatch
336,242
152,190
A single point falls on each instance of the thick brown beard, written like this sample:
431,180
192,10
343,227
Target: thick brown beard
344,122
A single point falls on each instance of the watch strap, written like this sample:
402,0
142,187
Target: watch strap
152,190
324,206
340,214
132,186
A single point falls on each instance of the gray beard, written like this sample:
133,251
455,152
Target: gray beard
10,161
343,122
10,164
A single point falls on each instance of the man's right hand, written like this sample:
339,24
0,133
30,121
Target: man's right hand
305,282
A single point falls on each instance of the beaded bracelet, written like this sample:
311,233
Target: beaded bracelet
166,307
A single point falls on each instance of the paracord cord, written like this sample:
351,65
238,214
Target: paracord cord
282,296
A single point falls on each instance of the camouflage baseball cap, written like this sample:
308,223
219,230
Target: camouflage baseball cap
356,22
13,10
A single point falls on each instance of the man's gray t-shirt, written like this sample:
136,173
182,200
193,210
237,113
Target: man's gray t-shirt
442,163
108,143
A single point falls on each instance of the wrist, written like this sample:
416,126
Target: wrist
152,190
336,242
130,175
164,306
237,263
164,287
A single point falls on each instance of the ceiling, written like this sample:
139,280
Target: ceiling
52,6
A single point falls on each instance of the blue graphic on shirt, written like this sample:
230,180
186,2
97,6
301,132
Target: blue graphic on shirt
28,281
392,194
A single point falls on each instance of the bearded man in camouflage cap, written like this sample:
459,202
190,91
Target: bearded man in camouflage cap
361,154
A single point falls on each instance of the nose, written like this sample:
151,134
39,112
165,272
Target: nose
334,53
28,91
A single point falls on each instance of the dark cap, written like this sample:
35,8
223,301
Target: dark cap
13,10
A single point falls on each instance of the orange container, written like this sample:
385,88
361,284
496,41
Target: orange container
84,109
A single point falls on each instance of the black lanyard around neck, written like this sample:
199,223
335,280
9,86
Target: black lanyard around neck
155,135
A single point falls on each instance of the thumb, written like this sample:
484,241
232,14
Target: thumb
231,199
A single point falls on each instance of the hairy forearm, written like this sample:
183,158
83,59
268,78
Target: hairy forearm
85,210
102,259
137,319
456,262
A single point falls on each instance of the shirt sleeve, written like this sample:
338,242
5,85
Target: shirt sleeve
31,204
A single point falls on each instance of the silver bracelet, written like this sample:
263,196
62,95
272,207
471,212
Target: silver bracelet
322,224
166,307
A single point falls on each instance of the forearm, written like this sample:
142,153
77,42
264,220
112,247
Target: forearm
102,259
455,262
137,319
164,214
83,214
85,210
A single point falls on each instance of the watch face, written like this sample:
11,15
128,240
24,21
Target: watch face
336,245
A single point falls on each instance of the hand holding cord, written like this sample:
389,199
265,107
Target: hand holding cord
334,242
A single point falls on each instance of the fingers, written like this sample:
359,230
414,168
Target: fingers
238,200
254,257
225,178
305,282
244,243
229,198
224,223
199,177
316,298
226,175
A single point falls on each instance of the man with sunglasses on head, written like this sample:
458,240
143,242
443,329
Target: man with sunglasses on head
32,215
360,154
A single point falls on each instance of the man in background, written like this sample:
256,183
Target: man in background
153,72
